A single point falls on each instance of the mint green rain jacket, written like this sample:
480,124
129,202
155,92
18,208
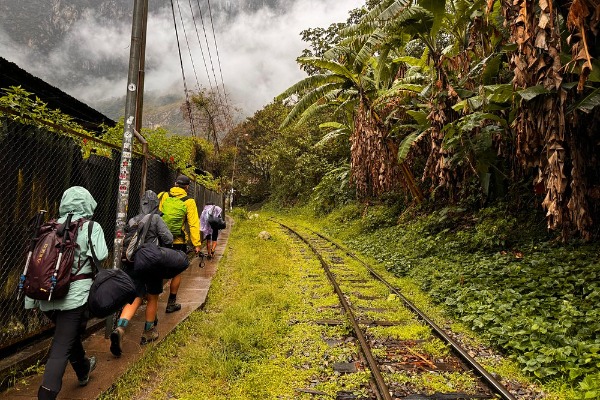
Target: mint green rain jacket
79,201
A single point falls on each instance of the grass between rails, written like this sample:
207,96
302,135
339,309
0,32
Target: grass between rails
500,278
254,339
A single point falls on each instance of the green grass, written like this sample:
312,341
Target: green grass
256,339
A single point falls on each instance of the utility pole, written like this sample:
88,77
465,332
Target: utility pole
140,99
131,101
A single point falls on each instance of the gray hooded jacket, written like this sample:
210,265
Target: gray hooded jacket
158,229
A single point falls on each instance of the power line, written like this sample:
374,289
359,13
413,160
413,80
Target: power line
221,109
208,47
216,48
187,98
200,44
188,45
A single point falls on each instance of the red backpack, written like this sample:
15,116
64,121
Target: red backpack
47,273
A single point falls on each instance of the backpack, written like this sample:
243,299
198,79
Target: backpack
160,262
135,237
216,222
174,212
111,289
48,271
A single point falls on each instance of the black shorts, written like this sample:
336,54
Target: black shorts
148,286
212,236
144,284
179,246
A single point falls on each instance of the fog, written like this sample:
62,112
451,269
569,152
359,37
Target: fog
256,53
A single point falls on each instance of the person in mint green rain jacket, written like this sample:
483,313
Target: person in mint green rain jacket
70,314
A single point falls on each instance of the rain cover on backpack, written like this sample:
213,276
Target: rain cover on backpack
40,282
174,212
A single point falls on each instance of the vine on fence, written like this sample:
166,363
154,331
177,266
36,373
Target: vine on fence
179,152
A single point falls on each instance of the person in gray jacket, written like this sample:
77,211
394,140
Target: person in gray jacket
151,287
70,314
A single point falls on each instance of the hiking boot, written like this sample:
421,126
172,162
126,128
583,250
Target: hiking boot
86,378
149,336
46,394
172,306
116,341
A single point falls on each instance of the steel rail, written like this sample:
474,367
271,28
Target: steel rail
379,381
462,353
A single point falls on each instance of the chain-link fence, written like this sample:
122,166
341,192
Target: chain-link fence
37,167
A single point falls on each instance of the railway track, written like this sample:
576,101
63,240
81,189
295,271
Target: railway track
407,354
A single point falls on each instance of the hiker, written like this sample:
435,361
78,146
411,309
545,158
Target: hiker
70,313
147,285
210,233
180,213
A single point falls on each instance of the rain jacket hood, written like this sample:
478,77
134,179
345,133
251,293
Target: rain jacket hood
149,202
79,201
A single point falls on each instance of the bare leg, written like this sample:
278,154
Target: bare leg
130,309
174,286
151,307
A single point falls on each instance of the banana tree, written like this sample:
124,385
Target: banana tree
349,82
460,52
555,127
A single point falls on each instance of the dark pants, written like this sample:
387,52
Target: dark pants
66,346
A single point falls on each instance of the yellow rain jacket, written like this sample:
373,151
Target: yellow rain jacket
192,219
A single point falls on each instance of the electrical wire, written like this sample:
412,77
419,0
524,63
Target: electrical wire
200,44
216,47
208,46
187,98
188,45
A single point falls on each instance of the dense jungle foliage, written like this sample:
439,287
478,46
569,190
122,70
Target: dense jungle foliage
457,141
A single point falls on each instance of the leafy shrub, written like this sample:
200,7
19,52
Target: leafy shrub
589,387
333,191
379,216
494,228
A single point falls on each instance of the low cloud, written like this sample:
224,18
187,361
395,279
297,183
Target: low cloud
257,53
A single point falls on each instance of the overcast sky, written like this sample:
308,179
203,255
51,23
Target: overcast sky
257,53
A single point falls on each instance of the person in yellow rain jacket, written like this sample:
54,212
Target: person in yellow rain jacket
180,213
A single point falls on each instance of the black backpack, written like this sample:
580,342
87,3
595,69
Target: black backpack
159,262
48,268
111,289
216,222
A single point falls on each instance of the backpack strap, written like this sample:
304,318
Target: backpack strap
161,196
77,276
186,226
95,261
143,230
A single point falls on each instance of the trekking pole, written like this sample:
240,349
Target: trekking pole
39,218
65,235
